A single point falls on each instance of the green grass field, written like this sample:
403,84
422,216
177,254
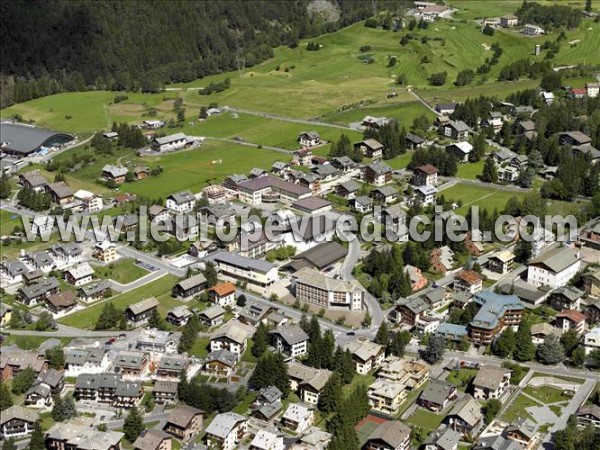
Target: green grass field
461,378
487,197
470,171
546,394
123,271
517,409
425,419
30,342
8,221
161,288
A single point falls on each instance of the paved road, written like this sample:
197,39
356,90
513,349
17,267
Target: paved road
70,332
373,305
286,118
152,276
422,100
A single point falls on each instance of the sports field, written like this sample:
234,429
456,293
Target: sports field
365,427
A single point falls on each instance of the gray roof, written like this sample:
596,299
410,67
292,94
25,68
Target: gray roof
127,359
458,125
170,138
445,439
174,362
14,268
191,282
416,304
240,261
271,394
213,312
222,424
393,433
311,203
34,178
569,292
39,389
344,161
143,306
18,412
351,186
97,381
326,169
279,165
95,287
379,167
182,197
67,249
557,259
524,426
40,288
291,334
27,139
323,254
114,171
468,410
42,258
84,438
150,439
496,442
437,392
223,356
364,200
182,415
489,377
61,189
128,389
51,377
80,357
386,191
165,386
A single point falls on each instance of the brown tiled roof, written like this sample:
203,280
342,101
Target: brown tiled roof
572,315
63,299
469,276
223,289
428,169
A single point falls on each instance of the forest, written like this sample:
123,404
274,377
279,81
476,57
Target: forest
55,46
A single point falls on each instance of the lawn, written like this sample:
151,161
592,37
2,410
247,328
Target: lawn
546,394
517,409
87,318
12,251
30,342
425,419
8,221
248,356
405,113
243,406
400,161
200,348
461,378
366,380
483,196
470,171
123,271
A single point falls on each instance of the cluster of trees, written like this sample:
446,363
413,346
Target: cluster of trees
576,176
63,408
488,30
56,358
435,349
6,400
438,79
281,253
474,109
523,67
5,188
111,318
549,16
204,396
23,381
133,425
386,268
216,87
489,62
572,437
394,342
313,46
36,201
463,316
464,77
102,45
446,163
350,411
271,370
344,147
391,136
189,335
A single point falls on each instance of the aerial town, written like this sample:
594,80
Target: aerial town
212,301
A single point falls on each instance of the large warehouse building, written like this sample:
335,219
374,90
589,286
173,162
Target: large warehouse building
23,140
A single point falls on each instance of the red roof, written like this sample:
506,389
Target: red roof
469,276
428,169
578,91
572,315
223,289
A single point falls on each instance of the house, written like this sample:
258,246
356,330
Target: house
33,180
425,195
452,332
411,374
111,135
226,431
105,251
184,422
255,272
503,156
540,331
290,339
61,302
363,204
490,382
588,415
231,182
17,361
114,173
154,340
165,391
38,396
496,312
523,431
5,314
591,340
509,20
493,121
456,130
426,175
213,316
73,436
230,337
590,307
370,148
417,280
554,268
347,190
377,173
130,364
94,291
413,141
141,172
38,292
307,381
311,286
385,194
89,361
390,435
343,163
592,89
587,150
139,313
172,367
41,261
17,421
394,218
437,395
153,124
565,297
303,157
297,417
220,363
257,172
279,168
153,440
188,288
89,202
309,139
366,355
13,271
386,396
375,122
461,150
222,294
312,205
181,202
96,387
179,316
532,30
60,192
313,439
79,275
267,404
267,440
442,439
573,138
127,394
410,309
255,313
501,262
445,109
465,416
468,281
570,319
169,143
326,172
